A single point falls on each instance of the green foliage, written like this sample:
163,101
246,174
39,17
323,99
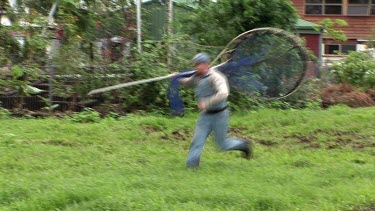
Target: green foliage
10,50
239,101
307,95
86,116
371,41
358,68
225,19
71,64
329,26
4,60
4,113
149,63
21,78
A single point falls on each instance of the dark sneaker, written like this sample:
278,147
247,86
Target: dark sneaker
248,153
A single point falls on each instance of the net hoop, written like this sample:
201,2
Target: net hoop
225,55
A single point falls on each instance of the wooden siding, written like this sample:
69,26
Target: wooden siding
360,27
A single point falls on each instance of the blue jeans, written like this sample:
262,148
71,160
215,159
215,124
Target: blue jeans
218,124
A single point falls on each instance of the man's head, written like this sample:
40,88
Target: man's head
201,62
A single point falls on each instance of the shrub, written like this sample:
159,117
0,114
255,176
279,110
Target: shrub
307,95
86,116
358,68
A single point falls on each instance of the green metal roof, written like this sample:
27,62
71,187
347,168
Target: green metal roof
302,24
175,1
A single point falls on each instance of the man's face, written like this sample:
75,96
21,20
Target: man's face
202,68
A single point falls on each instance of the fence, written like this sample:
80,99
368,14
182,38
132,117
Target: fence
10,99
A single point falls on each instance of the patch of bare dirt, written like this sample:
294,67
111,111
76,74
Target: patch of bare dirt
370,207
38,114
337,139
266,142
151,129
58,142
182,134
237,131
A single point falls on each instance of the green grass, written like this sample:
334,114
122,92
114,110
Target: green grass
304,160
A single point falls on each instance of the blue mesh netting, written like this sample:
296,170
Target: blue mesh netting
175,102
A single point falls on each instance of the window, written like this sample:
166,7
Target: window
323,7
331,49
358,1
346,48
339,49
361,7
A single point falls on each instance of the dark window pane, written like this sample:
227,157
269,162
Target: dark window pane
333,1
373,11
358,1
314,1
346,48
332,10
313,9
352,10
373,1
331,49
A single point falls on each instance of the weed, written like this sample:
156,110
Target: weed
4,113
86,116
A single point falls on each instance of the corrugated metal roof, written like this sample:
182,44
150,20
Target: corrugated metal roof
302,24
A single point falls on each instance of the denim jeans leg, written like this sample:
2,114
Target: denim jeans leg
202,130
220,132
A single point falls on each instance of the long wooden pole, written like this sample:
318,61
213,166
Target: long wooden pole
118,86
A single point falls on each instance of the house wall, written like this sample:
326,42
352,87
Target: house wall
360,27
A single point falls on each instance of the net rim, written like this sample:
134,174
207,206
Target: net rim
295,40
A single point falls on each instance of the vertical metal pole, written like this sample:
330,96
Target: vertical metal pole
139,25
320,55
169,32
50,18
51,72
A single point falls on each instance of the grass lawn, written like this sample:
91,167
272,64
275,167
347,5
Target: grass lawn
304,160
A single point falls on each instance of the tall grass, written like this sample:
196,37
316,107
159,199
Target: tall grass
304,160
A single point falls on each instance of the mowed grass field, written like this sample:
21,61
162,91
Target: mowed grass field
304,160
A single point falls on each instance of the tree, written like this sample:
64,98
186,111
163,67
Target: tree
217,23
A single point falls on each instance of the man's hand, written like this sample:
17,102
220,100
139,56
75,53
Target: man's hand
202,105
172,74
